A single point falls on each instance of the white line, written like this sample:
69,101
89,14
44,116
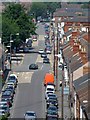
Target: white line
26,77
41,67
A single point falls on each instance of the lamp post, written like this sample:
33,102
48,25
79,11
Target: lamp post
3,54
57,61
11,41
62,91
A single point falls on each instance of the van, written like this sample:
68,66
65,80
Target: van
49,78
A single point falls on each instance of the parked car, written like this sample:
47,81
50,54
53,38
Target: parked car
13,77
10,89
7,95
9,102
41,51
52,101
5,109
52,96
34,37
48,51
49,78
10,83
49,89
33,66
2,112
13,81
29,43
4,103
46,60
30,115
52,111
44,55
50,83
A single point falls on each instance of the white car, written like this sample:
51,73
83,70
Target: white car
49,89
48,51
30,115
14,76
34,39
4,103
41,51
10,83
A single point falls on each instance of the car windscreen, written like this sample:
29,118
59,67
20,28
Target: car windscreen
11,78
52,108
30,114
50,89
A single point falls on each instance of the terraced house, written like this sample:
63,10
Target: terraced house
75,24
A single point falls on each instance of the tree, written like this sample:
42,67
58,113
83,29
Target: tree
38,9
52,6
8,27
42,8
86,5
18,21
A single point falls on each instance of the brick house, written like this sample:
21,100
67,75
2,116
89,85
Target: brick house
76,45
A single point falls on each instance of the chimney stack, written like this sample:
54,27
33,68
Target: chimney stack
86,70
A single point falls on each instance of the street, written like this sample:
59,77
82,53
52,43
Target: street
44,70
30,90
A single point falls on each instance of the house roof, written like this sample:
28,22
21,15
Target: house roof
76,19
68,32
72,14
82,89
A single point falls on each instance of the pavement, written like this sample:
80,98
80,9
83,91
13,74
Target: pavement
17,60
66,108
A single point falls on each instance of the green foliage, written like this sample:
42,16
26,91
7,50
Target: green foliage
16,20
0,24
41,8
38,9
8,27
52,6
3,118
86,5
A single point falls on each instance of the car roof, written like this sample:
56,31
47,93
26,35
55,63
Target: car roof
6,93
1,102
52,94
49,86
10,82
13,75
30,112
41,49
2,110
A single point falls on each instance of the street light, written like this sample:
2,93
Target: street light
3,54
11,41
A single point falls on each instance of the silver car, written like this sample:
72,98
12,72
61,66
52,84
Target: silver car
30,115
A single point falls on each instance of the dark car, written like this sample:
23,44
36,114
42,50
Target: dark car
46,60
10,89
44,55
7,95
52,96
33,66
51,101
52,111
14,81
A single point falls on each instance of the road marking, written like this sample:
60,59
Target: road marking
24,77
41,67
39,59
